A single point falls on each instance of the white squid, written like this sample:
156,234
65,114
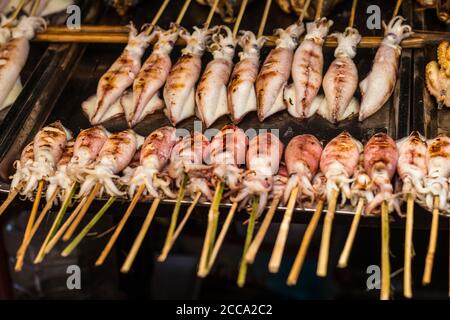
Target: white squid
241,88
179,91
379,84
307,68
154,157
211,95
23,167
275,72
48,147
61,180
341,80
263,162
145,98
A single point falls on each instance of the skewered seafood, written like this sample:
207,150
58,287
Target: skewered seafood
338,163
211,94
280,181
187,156
412,166
437,76
307,71
118,78
263,162
379,84
274,74
438,164
241,89
145,98
179,91
61,180
48,147
302,158
227,151
341,80
114,156
13,56
154,157
23,167
360,188
380,163
87,146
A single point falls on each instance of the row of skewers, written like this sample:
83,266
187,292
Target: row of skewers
235,90
246,171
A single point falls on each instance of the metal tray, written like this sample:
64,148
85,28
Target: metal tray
82,81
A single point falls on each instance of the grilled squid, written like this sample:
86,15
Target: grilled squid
307,71
211,95
412,165
87,146
437,76
438,164
380,163
379,84
13,56
155,154
114,156
61,179
341,80
23,167
361,185
302,158
275,72
227,152
145,98
48,147
187,155
263,162
280,181
179,91
241,89
338,163
106,104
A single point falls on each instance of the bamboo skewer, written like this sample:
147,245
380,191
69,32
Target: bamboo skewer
32,218
343,259
397,8
68,250
23,247
248,239
70,231
211,13
264,18
256,243
157,16
213,214
120,226
173,220
140,237
221,237
35,7
407,287
385,264
56,223
16,12
429,260
185,218
239,17
309,233
11,196
319,9
280,242
351,22
322,264
51,244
